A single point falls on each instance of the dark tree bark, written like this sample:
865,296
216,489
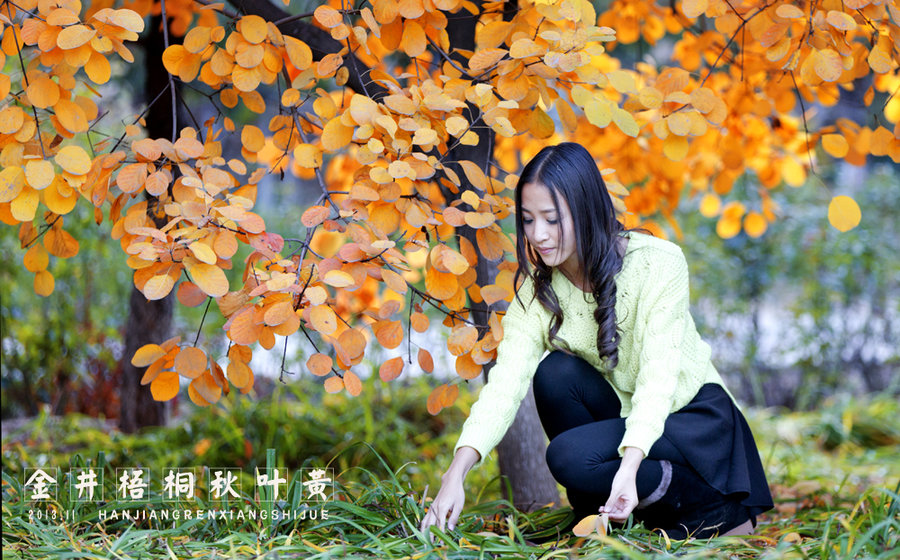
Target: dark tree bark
148,321
521,452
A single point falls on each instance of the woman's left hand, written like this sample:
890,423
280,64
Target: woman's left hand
622,497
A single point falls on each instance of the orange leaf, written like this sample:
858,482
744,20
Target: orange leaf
315,215
334,384
352,383
319,364
434,404
36,259
252,138
42,92
71,116
153,371
836,145
413,42
165,386
44,283
158,286
493,293
279,313
351,343
419,322
132,177
426,362
189,294
442,285
207,387
328,16
466,367
244,329
449,396
239,374
195,396
391,369
389,333
394,281
190,362
462,339
323,319
590,524
755,224
485,58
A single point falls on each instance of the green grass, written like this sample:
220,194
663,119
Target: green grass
833,472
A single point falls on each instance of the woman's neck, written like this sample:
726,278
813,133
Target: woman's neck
579,279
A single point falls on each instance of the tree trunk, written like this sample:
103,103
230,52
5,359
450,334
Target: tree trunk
522,450
148,321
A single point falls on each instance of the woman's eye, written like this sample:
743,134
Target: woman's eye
552,222
526,221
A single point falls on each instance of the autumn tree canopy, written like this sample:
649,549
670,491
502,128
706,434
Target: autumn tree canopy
376,101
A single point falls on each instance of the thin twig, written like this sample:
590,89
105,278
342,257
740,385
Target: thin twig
165,19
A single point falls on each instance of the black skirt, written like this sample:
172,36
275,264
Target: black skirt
716,441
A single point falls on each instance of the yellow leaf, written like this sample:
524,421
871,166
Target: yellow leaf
622,81
12,181
253,28
844,213
650,97
319,364
74,36
71,116
147,354
475,175
207,387
24,207
840,20
209,278
39,173
829,65
710,205
328,16
158,287
352,383
401,104
323,319
879,60
525,47
836,145
308,156
598,523
336,135
315,215
625,121
74,160
203,252
598,112
675,147
755,224
298,52
338,279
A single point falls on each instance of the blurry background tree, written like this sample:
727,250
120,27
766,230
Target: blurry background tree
404,125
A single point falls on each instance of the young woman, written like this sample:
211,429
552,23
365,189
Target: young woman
637,416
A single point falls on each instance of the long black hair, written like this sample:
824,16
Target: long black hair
568,170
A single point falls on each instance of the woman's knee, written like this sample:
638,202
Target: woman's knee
554,369
573,463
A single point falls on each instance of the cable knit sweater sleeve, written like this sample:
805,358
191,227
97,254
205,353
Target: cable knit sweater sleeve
517,358
663,313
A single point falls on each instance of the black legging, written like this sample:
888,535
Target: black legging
580,414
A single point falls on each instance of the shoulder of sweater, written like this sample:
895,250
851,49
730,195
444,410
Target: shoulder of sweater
656,245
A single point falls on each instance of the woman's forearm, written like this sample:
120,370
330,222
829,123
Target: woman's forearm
463,461
631,460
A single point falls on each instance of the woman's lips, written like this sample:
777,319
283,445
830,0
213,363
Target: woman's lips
544,251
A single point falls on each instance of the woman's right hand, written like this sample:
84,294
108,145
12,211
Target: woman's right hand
448,504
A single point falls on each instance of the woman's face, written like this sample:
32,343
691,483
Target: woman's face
550,231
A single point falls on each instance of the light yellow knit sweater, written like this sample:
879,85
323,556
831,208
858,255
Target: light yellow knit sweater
662,360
